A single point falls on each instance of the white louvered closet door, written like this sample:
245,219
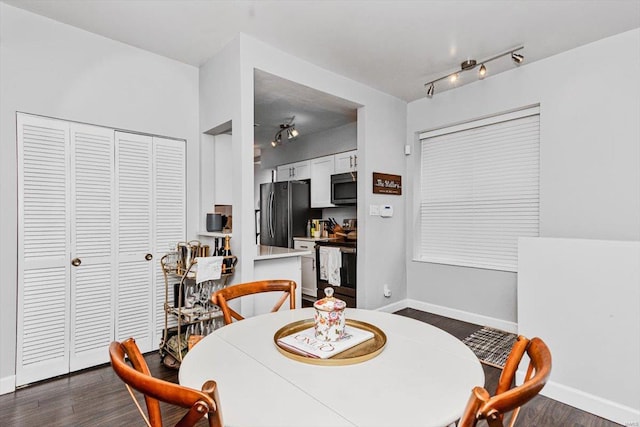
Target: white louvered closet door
92,245
134,204
169,160
43,242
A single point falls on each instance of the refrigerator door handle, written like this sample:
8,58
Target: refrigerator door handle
271,215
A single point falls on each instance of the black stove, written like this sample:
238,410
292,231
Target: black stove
347,289
344,243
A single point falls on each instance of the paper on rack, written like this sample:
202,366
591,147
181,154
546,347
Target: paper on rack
209,268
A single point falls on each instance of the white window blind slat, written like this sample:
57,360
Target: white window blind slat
480,192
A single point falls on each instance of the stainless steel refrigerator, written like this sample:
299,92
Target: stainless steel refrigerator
284,212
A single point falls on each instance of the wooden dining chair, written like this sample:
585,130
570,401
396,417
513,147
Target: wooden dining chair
509,398
137,376
221,297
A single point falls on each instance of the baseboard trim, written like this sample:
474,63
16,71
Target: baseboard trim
8,384
593,404
464,316
392,308
596,405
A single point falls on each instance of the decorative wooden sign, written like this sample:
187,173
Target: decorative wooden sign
384,183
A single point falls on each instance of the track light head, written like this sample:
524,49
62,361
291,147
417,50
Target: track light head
430,91
289,128
454,77
517,58
292,132
482,72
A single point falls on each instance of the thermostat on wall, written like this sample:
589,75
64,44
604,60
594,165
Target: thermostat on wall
386,211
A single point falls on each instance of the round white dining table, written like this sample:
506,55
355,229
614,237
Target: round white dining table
423,377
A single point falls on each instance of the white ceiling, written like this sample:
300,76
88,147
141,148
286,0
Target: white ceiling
276,100
393,46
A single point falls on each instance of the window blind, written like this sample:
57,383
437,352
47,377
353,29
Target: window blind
480,192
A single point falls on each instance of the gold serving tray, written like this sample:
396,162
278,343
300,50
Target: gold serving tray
357,354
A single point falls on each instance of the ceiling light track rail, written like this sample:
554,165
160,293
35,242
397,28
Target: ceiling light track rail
289,128
470,64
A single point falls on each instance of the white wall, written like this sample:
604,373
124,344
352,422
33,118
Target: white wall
589,162
380,133
56,70
591,288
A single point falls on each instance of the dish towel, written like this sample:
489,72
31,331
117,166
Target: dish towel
209,268
330,264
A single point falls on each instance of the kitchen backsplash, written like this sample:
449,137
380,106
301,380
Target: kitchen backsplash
340,213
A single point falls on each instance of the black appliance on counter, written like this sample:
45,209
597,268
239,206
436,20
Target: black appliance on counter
347,289
284,212
344,188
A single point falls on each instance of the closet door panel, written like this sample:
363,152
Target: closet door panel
134,189
169,160
43,249
92,243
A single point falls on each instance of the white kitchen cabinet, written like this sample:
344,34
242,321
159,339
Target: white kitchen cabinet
308,285
321,170
294,171
346,162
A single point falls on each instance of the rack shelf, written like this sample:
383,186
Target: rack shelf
174,344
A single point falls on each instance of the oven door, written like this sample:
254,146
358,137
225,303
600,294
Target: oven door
348,269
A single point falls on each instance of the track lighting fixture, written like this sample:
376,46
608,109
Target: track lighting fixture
288,128
430,90
517,58
470,64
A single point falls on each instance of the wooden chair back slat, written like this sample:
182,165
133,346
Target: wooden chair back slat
510,398
138,377
221,297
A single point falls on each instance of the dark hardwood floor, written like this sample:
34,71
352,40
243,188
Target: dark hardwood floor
97,397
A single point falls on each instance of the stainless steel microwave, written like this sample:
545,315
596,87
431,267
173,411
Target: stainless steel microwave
344,188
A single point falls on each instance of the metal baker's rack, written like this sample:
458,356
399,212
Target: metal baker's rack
182,264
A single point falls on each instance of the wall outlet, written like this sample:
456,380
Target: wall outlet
386,291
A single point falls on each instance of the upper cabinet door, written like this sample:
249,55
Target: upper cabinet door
321,170
346,162
301,170
294,171
284,173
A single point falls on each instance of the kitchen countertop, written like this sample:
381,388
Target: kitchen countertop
272,252
314,239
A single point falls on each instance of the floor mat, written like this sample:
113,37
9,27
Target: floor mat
491,346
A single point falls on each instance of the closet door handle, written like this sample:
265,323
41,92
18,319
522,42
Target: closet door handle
76,262
148,257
